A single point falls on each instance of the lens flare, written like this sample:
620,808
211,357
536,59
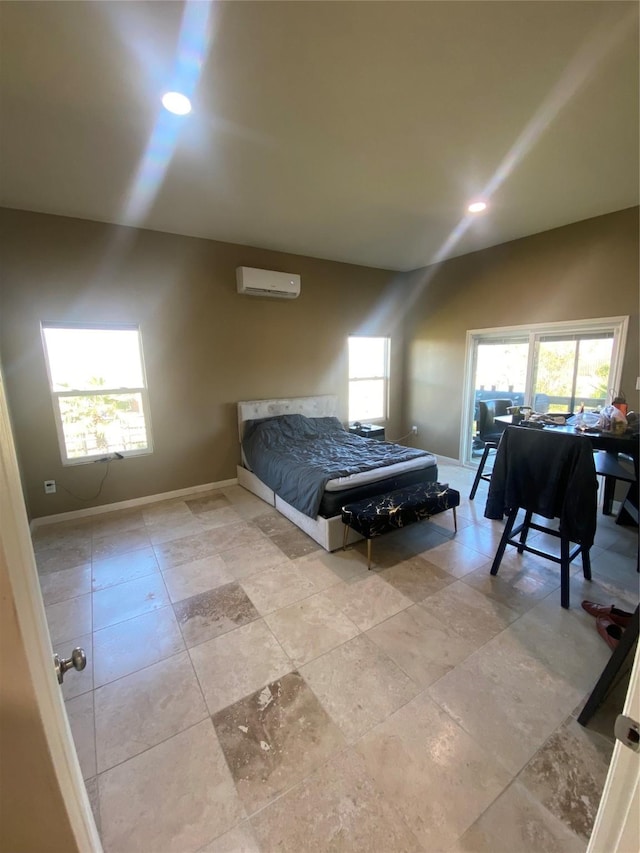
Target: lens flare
176,103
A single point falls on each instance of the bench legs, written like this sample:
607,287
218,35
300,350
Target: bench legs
346,534
344,545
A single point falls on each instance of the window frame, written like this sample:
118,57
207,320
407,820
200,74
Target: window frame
56,395
385,378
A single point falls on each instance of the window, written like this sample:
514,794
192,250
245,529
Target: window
368,378
97,381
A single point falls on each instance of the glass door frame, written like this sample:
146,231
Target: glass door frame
617,325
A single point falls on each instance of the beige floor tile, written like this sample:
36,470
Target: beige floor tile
161,533
470,613
518,822
68,583
126,567
240,839
143,709
196,577
506,699
310,628
271,522
59,557
129,646
565,641
346,565
431,771
369,601
337,808
127,600
209,614
287,583
275,737
483,538
455,558
358,685
75,683
238,663
416,578
69,619
81,720
248,560
172,798
119,543
295,544
422,646
219,517
232,536
185,549
62,534
171,513
249,506
519,584
117,521
207,502
567,776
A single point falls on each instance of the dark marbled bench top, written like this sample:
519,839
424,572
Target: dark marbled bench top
381,513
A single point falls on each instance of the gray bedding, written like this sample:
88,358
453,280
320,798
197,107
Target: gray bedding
296,456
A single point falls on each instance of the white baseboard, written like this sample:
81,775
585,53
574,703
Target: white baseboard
146,499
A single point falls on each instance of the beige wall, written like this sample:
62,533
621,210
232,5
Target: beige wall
585,270
205,346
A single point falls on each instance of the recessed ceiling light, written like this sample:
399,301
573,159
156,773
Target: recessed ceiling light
176,103
477,207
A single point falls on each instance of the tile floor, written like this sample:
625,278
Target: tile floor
247,691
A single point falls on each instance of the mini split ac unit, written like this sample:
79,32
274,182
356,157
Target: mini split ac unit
254,282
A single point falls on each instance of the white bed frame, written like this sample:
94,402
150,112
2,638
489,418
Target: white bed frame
327,532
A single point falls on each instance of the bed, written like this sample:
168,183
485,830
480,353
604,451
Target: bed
266,425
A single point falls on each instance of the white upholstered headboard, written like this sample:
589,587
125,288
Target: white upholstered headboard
322,406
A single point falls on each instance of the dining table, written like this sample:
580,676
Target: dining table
613,444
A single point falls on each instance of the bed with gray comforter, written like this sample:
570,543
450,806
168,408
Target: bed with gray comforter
296,456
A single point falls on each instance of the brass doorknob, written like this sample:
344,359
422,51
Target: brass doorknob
78,661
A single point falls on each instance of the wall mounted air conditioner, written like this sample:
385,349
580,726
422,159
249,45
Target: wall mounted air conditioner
254,282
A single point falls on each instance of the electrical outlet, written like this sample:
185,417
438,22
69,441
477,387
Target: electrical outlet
414,430
49,487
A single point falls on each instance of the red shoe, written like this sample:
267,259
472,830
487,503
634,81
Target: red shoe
609,631
608,611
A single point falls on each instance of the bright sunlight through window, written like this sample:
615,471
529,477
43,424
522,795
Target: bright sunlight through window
368,378
97,382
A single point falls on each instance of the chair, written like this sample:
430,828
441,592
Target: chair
613,466
552,475
490,433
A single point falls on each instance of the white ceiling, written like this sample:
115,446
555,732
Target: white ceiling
354,131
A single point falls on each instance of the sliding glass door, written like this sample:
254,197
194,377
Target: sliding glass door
555,367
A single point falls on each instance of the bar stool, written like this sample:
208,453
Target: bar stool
490,433
550,475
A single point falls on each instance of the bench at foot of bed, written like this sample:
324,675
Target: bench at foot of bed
374,516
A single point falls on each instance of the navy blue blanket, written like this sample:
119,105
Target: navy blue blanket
296,456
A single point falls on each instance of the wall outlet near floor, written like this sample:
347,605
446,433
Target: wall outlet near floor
49,487
414,430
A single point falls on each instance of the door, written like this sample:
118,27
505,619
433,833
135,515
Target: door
38,750
617,824
499,373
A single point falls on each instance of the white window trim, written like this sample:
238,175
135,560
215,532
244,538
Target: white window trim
385,378
618,325
55,395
